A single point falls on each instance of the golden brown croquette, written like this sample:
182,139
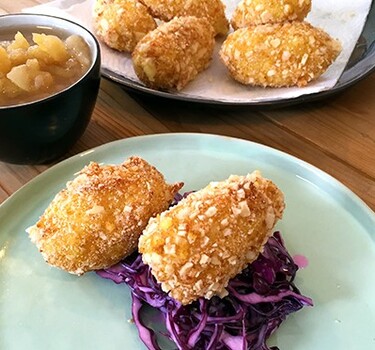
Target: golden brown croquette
197,246
276,55
213,10
255,12
122,23
97,219
173,54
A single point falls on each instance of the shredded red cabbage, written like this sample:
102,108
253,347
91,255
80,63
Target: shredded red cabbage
259,299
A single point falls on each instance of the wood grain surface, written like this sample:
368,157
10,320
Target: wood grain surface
337,134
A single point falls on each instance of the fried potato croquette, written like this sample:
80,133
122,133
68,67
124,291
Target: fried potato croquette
173,54
97,220
213,10
277,55
122,23
197,246
255,12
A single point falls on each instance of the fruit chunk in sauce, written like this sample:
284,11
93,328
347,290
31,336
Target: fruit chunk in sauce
34,69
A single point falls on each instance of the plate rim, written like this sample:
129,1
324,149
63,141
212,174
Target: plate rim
102,152
337,185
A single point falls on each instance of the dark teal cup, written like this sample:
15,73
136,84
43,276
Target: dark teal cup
41,131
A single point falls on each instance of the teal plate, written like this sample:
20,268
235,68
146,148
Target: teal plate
44,308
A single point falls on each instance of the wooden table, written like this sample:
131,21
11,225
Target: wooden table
336,135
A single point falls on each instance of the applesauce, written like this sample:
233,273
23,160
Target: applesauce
38,65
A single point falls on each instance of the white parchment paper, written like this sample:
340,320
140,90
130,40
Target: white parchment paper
342,19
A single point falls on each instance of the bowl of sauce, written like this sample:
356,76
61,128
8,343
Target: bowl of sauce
49,82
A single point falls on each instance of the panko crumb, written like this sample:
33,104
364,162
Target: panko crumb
120,24
255,12
197,246
277,55
97,219
213,10
175,53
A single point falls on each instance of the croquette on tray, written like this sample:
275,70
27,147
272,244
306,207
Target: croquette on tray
277,55
255,12
97,219
173,54
121,24
213,10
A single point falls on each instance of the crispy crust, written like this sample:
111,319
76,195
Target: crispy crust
197,246
255,12
173,54
122,23
97,220
213,10
276,55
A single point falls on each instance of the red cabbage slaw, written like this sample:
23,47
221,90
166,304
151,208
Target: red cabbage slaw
260,298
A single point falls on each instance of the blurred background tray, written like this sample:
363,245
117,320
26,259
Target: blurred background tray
360,65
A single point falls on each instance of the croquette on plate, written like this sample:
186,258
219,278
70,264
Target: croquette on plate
97,219
197,246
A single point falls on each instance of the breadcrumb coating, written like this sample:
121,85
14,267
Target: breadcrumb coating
122,23
173,54
197,246
213,10
97,220
255,12
276,55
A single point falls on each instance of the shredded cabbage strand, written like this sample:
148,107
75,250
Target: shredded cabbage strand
259,299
